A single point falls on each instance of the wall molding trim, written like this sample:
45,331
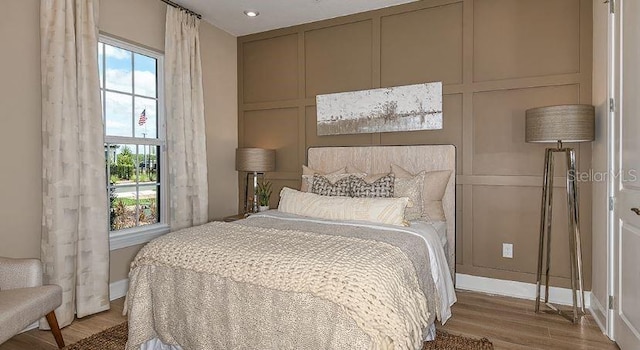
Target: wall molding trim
118,289
515,289
488,78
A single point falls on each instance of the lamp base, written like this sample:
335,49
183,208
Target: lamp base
254,207
575,244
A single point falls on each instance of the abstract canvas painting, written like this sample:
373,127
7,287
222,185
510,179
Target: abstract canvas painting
400,108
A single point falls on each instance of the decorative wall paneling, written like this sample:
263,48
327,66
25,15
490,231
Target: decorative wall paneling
496,58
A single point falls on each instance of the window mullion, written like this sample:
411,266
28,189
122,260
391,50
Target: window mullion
133,140
126,93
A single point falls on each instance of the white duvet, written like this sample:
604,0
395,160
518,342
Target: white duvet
429,234
434,242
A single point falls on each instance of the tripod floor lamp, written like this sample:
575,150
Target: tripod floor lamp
565,123
256,161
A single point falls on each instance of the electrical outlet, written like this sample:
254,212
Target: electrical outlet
507,250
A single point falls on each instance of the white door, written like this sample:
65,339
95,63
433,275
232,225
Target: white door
626,318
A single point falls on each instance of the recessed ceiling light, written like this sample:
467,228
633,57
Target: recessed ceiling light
251,13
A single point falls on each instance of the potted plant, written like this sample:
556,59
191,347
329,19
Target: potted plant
264,195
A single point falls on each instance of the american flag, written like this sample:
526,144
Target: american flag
143,117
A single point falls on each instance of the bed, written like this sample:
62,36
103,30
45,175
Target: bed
280,280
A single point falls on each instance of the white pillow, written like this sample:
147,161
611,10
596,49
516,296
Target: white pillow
377,210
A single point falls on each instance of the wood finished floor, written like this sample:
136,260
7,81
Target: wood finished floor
509,323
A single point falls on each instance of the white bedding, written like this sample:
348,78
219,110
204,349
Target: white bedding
432,235
439,226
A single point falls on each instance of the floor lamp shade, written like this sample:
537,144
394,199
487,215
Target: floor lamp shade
255,160
565,123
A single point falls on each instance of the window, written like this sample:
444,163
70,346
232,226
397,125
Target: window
134,133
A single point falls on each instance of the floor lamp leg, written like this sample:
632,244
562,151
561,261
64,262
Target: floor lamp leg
575,246
572,197
545,224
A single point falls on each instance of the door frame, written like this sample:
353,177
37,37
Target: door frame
615,88
613,122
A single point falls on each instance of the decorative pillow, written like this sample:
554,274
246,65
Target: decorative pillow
322,186
307,176
433,188
377,210
369,178
412,189
380,188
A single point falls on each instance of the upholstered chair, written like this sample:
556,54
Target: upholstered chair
24,300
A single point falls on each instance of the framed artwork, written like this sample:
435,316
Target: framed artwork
400,108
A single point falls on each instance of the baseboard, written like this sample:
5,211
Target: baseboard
598,312
522,290
118,289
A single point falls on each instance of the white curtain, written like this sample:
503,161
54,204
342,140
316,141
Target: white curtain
184,101
75,236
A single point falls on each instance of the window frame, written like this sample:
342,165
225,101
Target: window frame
140,234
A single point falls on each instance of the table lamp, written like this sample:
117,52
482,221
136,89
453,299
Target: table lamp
256,161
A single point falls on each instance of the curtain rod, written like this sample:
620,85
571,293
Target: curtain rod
169,2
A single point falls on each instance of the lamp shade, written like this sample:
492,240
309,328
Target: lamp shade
566,123
255,159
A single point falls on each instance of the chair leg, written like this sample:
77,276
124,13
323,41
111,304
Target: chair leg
55,329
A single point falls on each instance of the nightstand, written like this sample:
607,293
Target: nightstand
234,217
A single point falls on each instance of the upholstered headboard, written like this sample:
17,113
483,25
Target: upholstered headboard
378,159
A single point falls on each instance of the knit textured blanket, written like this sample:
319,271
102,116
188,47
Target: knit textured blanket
374,282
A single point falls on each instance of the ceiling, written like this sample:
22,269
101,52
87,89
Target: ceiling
228,14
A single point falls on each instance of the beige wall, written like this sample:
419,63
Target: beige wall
496,59
20,178
140,22
219,67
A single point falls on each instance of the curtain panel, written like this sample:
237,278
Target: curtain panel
184,101
75,234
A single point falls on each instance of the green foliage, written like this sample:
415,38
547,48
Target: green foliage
141,157
125,163
143,201
123,168
125,157
112,203
264,192
124,212
143,177
119,211
121,171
